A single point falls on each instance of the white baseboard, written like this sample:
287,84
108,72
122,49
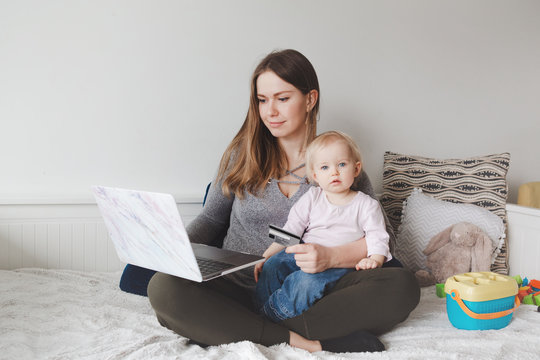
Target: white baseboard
61,236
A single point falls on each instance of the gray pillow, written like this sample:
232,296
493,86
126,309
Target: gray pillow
425,217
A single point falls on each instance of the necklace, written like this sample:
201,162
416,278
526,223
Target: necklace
301,179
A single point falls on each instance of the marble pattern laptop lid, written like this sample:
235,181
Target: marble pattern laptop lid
147,230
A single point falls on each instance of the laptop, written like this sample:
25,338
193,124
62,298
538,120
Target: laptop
147,231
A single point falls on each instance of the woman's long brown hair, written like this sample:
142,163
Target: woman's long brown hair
254,155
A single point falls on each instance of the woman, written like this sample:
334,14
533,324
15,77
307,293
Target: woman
261,176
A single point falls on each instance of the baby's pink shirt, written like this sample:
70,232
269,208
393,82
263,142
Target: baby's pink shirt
318,221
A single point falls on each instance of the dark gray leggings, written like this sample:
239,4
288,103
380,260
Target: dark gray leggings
219,312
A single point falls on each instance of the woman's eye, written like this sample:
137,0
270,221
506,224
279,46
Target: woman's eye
283,99
324,167
342,164
262,101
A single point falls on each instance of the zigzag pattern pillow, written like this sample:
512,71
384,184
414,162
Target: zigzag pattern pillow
477,180
424,217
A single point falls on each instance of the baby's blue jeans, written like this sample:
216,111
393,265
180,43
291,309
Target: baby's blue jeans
284,291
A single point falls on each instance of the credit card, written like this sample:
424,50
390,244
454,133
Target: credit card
282,237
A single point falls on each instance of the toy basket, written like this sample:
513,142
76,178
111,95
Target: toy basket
481,300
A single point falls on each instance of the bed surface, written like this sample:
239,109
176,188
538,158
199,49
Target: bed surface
64,314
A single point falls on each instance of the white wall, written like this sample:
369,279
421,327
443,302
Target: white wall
147,94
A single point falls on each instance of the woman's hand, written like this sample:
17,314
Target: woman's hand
257,270
311,258
274,248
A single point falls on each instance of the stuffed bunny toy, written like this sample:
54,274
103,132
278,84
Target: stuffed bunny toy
461,248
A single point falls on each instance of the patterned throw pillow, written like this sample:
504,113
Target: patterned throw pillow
477,180
424,217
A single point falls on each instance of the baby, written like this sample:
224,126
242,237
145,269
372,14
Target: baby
331,214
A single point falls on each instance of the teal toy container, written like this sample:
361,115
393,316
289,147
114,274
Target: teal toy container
481,300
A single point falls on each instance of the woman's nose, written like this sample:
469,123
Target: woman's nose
271,109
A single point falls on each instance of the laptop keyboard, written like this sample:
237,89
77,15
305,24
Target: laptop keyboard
211,266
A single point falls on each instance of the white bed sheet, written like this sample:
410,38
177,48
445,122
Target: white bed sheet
63,314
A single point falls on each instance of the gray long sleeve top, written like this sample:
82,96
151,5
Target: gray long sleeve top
242,224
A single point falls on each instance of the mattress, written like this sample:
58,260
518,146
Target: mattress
65,314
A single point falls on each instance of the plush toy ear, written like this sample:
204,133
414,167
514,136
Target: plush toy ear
481,253
438,241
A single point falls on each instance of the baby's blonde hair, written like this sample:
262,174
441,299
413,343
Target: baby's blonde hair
323,140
